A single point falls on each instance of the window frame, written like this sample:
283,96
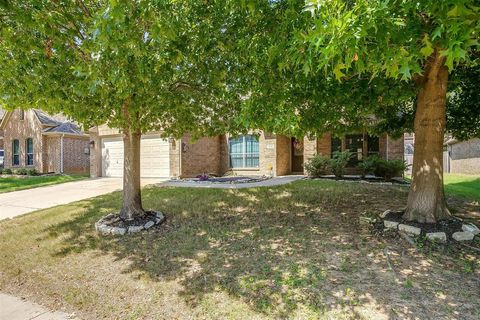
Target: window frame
245,156
15,156
29,155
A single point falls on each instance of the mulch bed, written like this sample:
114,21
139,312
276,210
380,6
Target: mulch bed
368,179
447,226
116,221
230,180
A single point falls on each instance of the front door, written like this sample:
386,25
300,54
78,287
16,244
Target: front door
297,155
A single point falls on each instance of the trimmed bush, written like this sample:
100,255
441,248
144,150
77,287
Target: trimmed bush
368,165
339,162
21,172
317,166
389,168
32,172
7,171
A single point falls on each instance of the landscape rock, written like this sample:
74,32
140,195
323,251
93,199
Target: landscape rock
409,229
118,231
463,236
390,224
134,229
471,228
149,224
437,236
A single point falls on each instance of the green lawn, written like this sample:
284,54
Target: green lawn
8,184
466,186
299,251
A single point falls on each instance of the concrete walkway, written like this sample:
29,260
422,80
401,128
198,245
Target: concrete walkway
276,181
16,203
13,308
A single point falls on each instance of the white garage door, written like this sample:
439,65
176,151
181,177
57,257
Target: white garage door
155,162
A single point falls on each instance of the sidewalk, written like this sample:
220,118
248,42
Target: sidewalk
12,308
16,203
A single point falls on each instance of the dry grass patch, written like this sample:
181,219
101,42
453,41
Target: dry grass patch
296,251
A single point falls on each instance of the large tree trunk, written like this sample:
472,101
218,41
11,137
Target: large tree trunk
132,199
426,199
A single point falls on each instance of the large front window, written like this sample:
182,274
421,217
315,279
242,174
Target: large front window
15,153
244,152
29,155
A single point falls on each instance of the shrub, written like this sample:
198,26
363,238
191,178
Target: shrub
7,171
21,172
32,172
339,162
389,168
368,165
317,166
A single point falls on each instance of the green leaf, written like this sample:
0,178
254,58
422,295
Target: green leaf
427,49
405,72
338,71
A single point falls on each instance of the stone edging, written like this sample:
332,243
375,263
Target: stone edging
105,229
469,231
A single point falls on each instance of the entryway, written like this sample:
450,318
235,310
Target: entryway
297,155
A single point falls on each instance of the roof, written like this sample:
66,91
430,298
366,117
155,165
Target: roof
49,120
66,127
52,125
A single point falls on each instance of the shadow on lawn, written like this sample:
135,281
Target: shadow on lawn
277,249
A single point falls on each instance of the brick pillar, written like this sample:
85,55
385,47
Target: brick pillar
309,149
95,153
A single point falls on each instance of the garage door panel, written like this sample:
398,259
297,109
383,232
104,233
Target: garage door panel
154,161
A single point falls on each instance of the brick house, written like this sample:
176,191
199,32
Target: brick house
50,144
462,157
262,154
2,114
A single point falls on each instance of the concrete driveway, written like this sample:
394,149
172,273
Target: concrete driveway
15,203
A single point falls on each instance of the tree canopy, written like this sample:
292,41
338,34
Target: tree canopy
88,59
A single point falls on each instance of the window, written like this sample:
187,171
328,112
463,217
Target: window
244,152
373,145
22,115
336,144
29,149
354,144
15,153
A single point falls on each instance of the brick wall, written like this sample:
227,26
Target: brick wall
52,162
324,145
95,153
174,151
1,139
395,148
309,148
16,128
201,156
284,155
465,157
75,160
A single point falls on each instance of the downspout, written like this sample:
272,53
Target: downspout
61,153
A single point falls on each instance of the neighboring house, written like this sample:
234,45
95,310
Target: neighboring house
50,144
463,156
265,154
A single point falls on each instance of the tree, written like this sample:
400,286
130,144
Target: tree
418,42
134,65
